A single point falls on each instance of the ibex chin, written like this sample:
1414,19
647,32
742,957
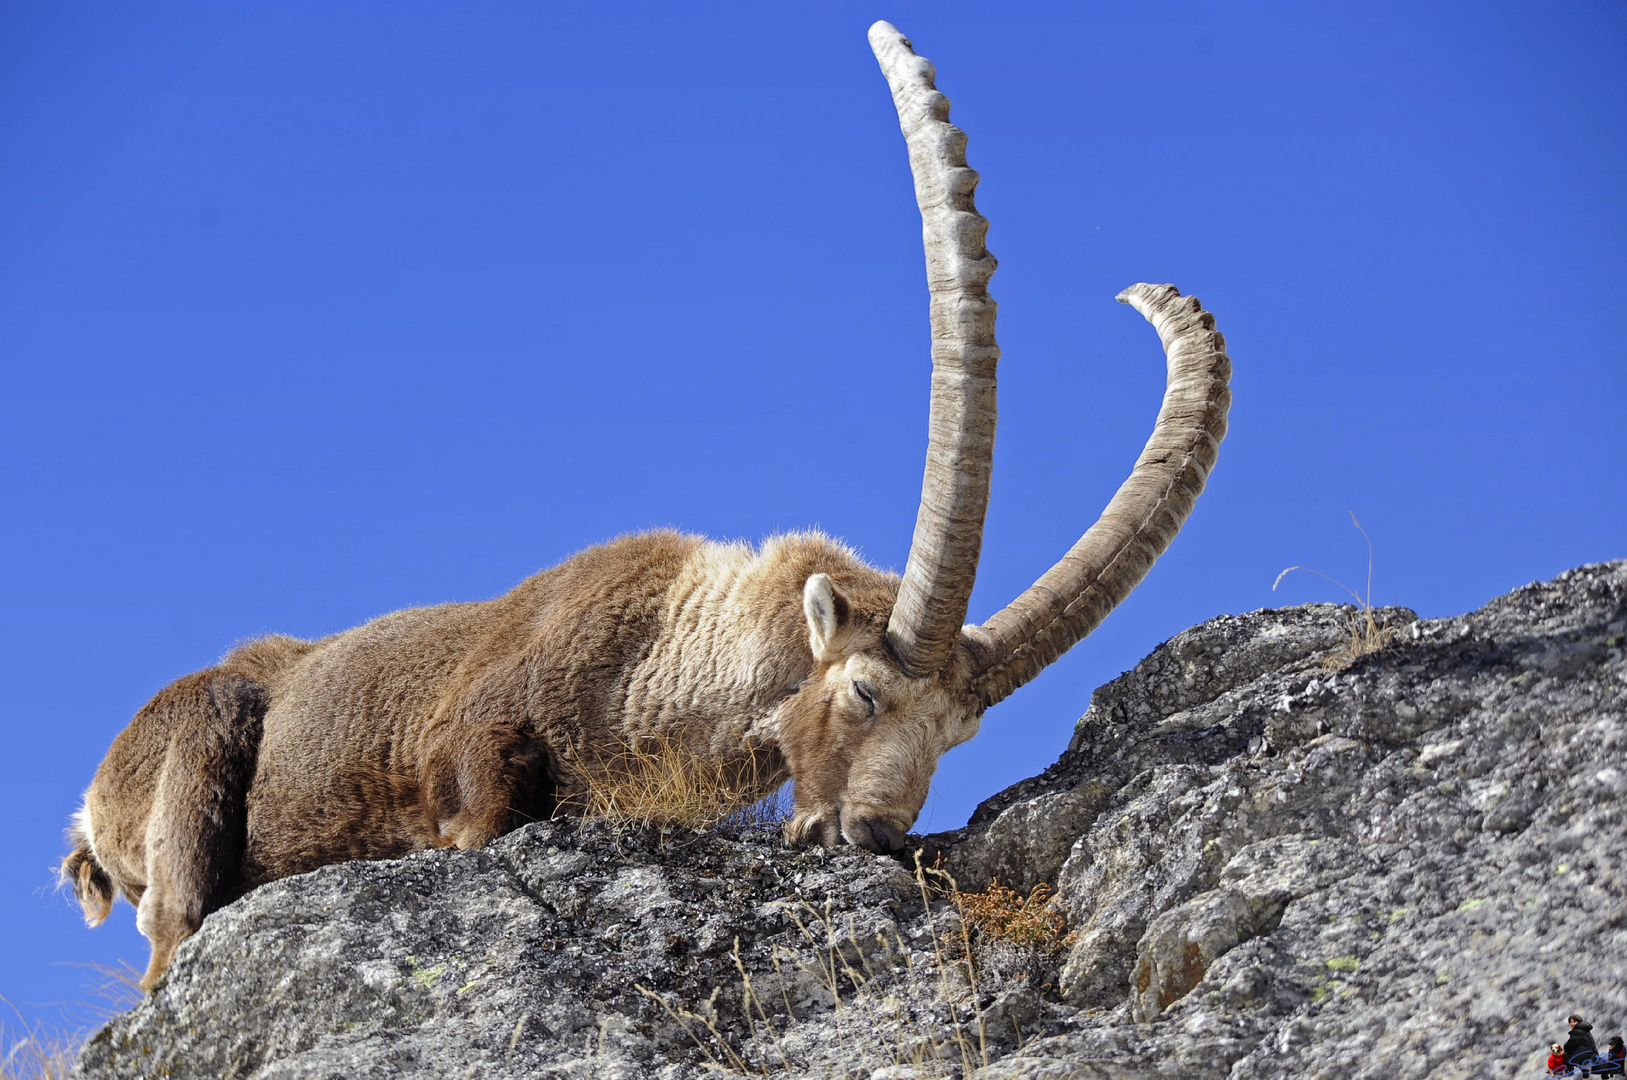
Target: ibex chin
796,660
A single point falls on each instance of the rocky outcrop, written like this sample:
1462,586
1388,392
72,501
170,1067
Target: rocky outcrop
1407,864
564,949
1408,867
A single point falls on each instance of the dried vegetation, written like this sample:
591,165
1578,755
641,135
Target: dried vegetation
663,782
1003,921
38,1051
1368,633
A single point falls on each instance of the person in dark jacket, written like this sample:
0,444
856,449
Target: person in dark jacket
1581,1039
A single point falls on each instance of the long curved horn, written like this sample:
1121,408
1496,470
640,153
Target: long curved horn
1142,518
931,606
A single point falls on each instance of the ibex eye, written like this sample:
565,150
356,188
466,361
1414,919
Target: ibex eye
868,695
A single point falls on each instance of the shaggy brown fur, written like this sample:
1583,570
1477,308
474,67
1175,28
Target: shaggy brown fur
455,724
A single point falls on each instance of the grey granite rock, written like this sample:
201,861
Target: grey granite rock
1408,867
564,949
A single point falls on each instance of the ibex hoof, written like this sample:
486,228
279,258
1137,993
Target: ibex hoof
813,830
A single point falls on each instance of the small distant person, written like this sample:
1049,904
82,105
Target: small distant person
1614,1059
1556,1060
1581,1039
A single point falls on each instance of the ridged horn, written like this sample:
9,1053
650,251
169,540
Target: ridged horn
1142,518
926,619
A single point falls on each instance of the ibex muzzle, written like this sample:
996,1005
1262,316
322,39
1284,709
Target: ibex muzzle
455,724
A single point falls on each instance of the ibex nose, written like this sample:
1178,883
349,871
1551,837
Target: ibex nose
874,834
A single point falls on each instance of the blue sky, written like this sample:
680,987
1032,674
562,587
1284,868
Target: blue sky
309,312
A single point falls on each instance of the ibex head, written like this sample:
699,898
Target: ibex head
899,681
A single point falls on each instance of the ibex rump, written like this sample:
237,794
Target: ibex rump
455,724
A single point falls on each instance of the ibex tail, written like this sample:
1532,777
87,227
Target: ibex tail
84,875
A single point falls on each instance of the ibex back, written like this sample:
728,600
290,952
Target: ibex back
795,660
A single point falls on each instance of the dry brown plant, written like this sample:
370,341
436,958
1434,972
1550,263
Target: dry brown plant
1005,916
1367,633
38,1051
662,782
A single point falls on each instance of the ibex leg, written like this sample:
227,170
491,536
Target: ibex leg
196,832
482,782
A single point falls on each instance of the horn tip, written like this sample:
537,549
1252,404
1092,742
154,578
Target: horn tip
1143,290
883,32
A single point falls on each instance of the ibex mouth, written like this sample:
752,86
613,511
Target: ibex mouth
874,834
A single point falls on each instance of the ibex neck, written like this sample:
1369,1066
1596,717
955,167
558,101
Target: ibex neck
733,644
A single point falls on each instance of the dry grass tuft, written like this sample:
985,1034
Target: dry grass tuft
663,782
1002,916
1367,633
39,1054
44,1052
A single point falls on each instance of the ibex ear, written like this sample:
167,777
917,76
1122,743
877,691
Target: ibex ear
826,609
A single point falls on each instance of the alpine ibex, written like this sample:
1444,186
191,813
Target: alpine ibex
455,724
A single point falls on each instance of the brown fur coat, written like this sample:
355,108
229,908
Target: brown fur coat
457,723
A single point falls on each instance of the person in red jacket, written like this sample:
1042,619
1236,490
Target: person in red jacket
1556,1060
